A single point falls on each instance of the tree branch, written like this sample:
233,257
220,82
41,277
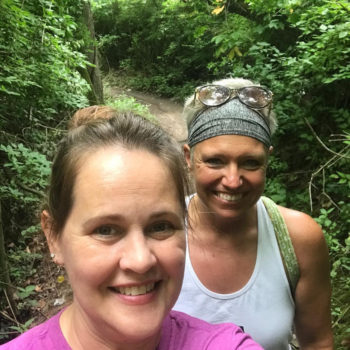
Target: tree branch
321,142
29,189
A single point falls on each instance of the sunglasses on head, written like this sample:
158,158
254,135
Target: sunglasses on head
254,97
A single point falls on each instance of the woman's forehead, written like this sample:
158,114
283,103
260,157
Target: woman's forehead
230,142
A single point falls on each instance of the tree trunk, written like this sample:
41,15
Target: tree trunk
92,74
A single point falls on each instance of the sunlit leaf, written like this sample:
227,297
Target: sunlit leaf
218,10
238,51
231,54
60,279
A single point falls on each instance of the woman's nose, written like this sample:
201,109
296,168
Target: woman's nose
137,255
232,177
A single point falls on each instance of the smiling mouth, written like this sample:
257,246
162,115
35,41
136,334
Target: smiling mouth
134,290
229,197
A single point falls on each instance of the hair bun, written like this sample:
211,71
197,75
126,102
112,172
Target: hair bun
90,114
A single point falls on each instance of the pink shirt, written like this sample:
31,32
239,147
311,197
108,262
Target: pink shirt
179,332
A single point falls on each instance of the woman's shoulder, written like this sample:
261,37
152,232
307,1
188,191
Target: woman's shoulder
192,333
306,234
302,227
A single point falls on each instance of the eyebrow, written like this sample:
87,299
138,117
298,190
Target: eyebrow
121,218
103,218
217,154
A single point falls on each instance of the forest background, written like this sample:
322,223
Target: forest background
49,67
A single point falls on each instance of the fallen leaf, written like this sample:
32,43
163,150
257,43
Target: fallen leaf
42,303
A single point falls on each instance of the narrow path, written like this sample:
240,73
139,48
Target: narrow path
168,113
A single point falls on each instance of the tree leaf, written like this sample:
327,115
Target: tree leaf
218,10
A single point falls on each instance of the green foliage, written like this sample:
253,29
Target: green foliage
24,293
39,62
26,173
178,34
40,44
23,267
232,39
339,247
26,170
128,104
21,328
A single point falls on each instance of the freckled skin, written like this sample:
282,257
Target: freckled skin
125,228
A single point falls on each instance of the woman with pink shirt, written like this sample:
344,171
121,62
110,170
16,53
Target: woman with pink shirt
114,219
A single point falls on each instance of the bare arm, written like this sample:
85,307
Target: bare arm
312,297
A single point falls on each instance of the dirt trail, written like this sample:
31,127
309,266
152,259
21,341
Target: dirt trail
167,112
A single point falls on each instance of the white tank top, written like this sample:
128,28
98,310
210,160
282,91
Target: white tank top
264,307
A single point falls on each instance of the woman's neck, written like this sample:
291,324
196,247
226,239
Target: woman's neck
80,335
213,226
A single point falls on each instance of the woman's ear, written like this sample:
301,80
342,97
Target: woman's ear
51,238
187,153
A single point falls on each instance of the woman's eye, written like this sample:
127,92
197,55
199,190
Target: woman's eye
106,231
251,164
214,161
161,230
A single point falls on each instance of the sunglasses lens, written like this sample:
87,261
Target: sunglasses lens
255,97
213,95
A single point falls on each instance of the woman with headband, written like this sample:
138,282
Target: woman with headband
234,268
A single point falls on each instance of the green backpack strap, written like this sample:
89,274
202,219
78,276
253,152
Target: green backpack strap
284,242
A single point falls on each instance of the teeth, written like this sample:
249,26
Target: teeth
136,290
230,197
149,287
